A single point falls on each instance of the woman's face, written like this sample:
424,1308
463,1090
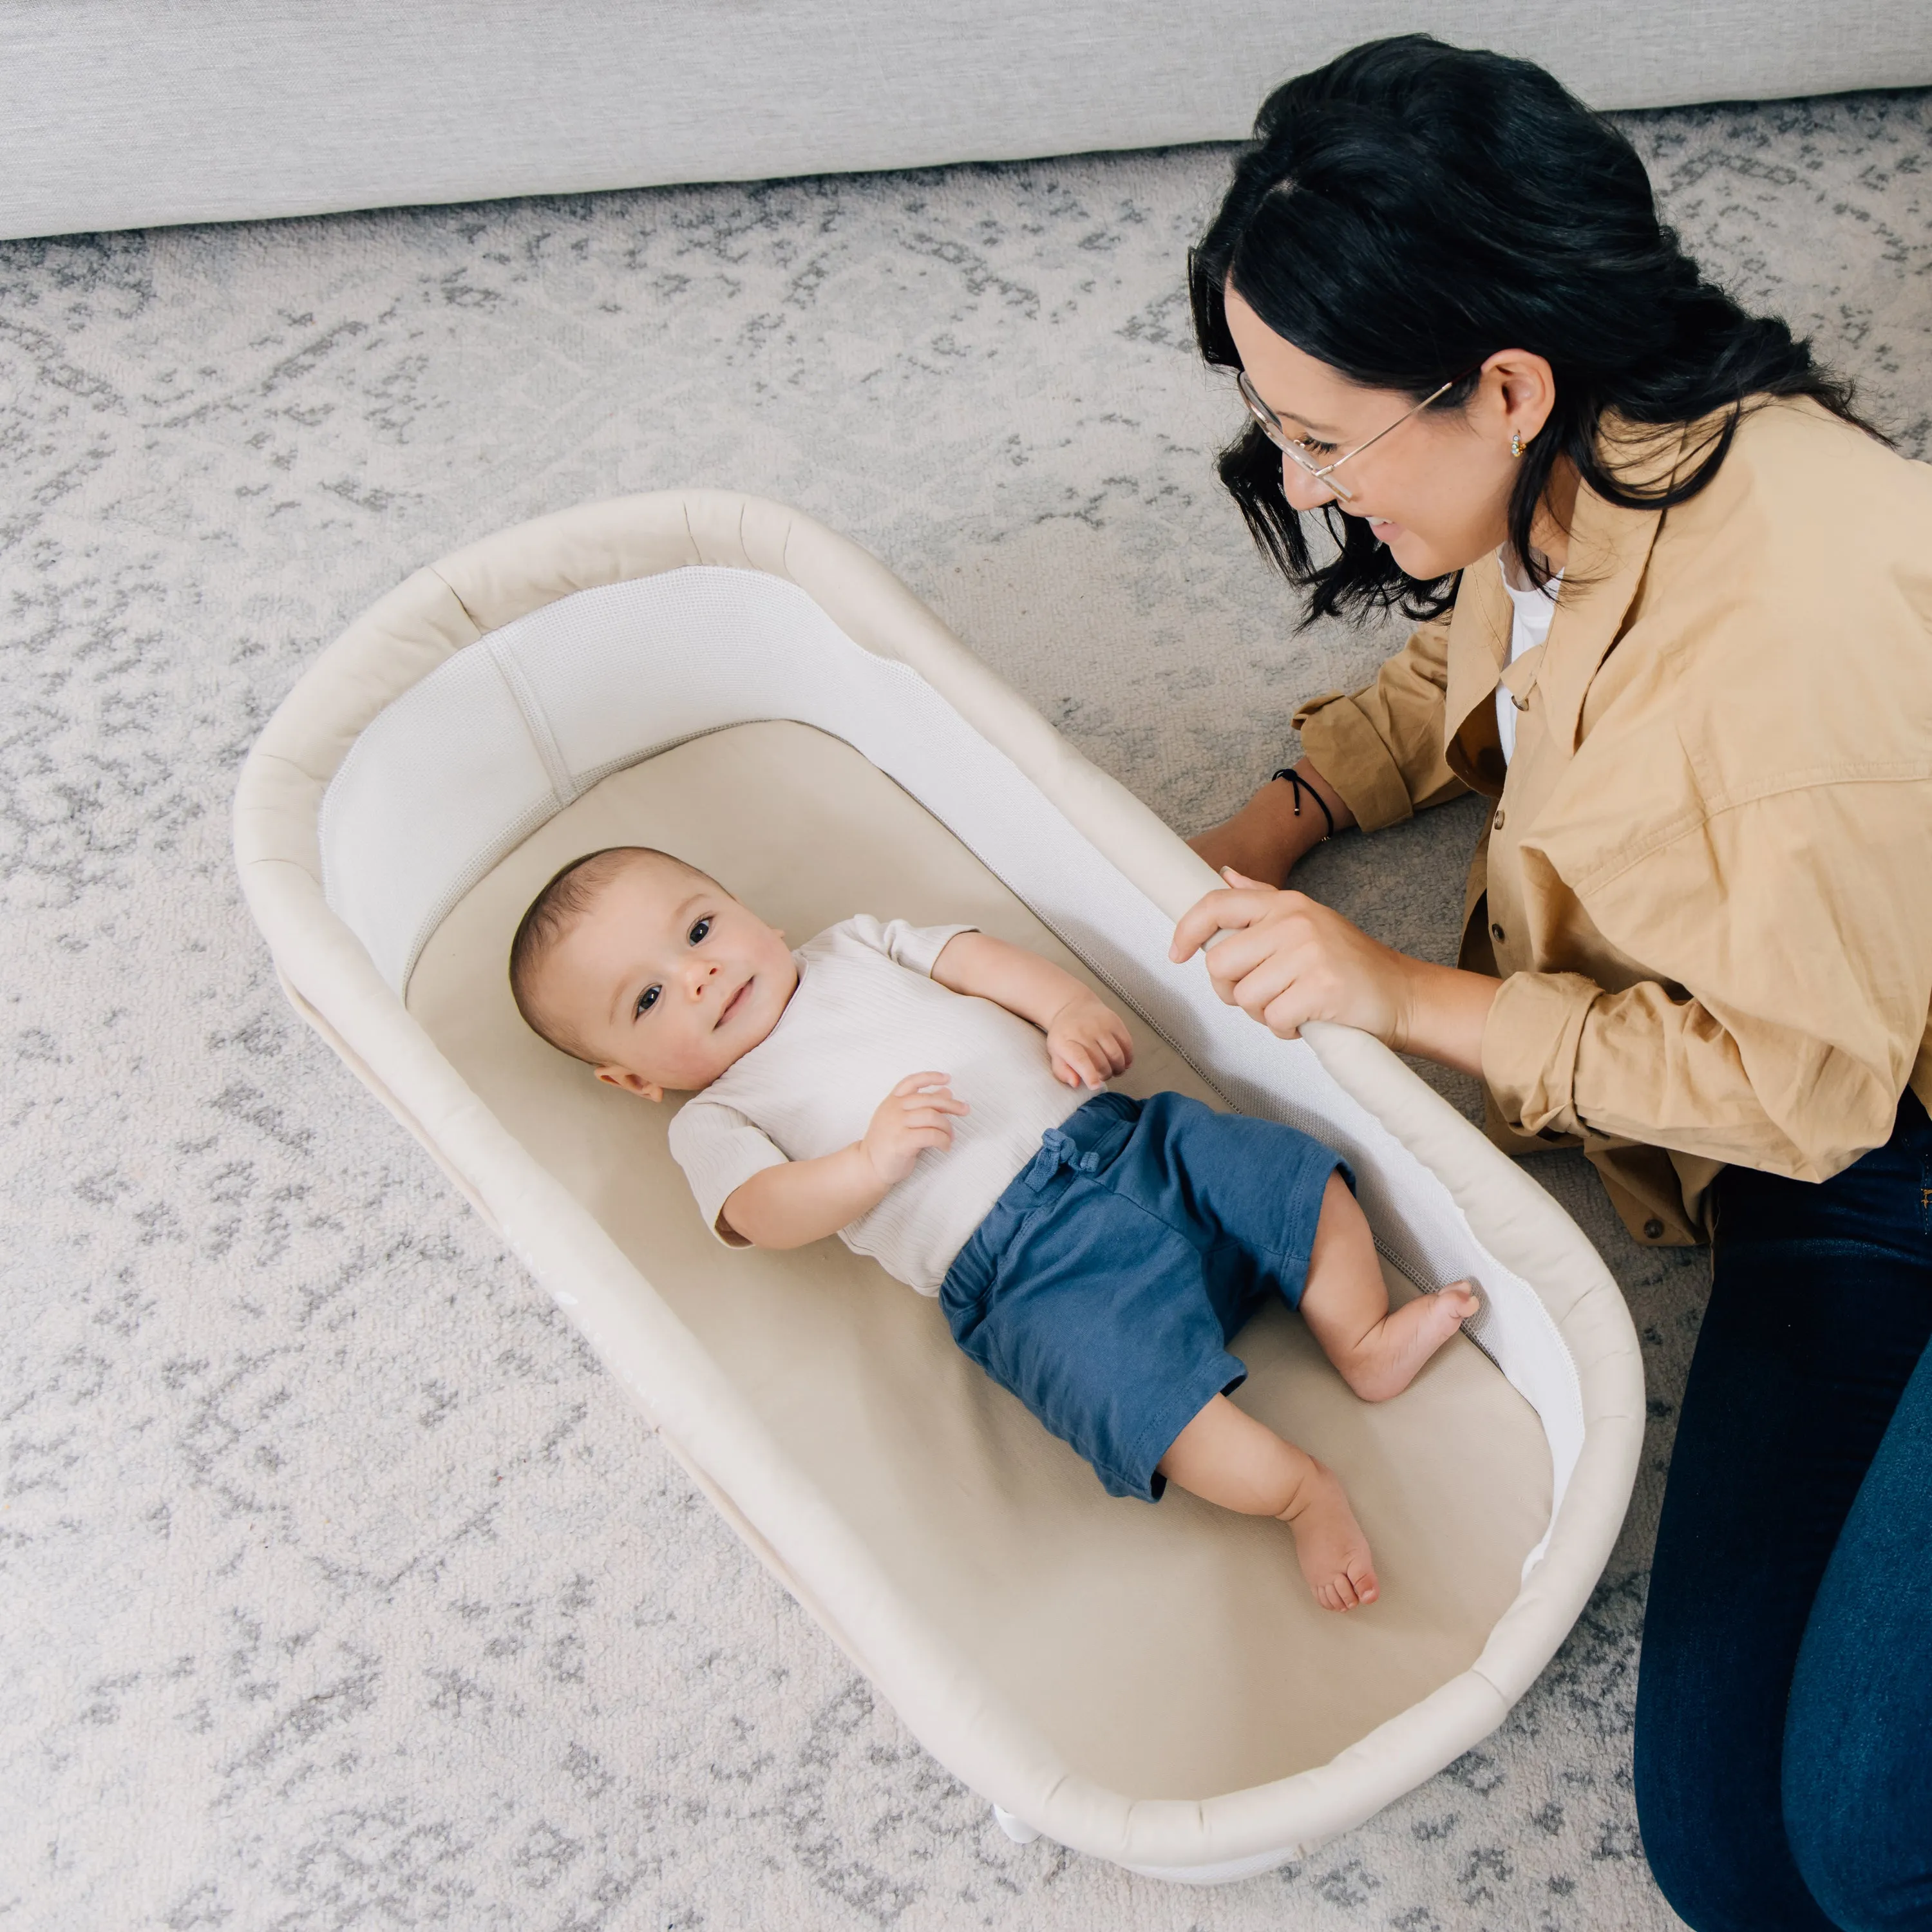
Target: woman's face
1436,489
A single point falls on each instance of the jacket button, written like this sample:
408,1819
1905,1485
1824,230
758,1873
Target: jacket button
1496,933
1498,821
1653,1229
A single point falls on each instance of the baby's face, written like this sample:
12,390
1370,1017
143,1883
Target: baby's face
668,980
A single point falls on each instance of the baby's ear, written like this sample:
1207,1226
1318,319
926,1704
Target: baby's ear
623,1078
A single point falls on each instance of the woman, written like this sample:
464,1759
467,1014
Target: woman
1678,625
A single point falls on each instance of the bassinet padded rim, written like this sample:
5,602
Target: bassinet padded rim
334,981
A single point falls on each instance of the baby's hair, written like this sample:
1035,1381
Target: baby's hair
567,896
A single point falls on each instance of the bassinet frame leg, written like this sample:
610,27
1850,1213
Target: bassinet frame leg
1017,1829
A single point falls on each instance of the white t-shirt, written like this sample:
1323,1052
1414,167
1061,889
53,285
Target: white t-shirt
866,1013
1533,608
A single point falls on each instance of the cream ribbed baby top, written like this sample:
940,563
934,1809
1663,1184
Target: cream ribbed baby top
867,1013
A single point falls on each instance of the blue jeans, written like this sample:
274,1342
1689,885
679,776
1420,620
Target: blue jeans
1104,1287
1784,1700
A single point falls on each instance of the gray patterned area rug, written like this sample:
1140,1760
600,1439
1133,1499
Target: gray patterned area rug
342,1589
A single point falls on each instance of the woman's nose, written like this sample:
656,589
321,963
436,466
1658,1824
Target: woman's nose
1304,492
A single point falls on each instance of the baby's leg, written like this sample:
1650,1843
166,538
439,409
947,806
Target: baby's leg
1344,1302
1224,1456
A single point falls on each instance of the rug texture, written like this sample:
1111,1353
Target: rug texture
342,1589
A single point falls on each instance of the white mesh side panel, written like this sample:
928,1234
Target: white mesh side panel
708,648
450,764
453,774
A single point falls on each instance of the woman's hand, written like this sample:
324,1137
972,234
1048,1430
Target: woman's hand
1268,837
1248,843
1284,960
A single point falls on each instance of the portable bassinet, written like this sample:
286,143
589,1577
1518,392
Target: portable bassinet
725,678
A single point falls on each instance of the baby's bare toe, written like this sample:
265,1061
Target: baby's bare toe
1339,1593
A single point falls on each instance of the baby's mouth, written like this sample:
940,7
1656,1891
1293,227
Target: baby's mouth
731,1004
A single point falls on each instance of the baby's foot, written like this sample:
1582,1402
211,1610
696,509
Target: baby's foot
1329,1544
1390,1356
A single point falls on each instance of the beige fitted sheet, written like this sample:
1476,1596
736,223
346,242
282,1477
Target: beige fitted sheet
1171,1650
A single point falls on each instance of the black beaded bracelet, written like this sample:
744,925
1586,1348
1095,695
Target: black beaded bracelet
1299,784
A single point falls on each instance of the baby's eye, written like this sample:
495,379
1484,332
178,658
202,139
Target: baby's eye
698,931
647,999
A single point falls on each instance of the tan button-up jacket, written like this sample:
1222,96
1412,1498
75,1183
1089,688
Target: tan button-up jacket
1707,881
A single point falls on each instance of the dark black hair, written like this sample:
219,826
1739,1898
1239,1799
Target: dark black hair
1411,207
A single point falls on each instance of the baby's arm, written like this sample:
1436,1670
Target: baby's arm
1087,1042
803,1200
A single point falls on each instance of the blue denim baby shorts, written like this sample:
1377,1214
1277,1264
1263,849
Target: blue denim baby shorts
1104,1287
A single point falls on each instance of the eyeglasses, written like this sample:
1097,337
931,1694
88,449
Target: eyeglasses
1295,448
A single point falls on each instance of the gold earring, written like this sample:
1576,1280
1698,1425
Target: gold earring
1516,442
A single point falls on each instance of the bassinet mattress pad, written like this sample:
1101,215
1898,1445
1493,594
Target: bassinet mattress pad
727,679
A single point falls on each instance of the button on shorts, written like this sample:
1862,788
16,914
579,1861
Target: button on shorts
1105,1285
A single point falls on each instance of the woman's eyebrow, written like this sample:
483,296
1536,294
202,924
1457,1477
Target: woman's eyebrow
1289,415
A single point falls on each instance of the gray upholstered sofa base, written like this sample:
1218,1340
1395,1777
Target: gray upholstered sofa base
133,113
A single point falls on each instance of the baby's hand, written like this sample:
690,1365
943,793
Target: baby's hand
1087,1042
914,1116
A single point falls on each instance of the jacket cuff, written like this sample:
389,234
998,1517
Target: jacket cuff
1530,1043
1347,750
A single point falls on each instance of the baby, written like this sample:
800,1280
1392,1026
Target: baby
1094,1254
